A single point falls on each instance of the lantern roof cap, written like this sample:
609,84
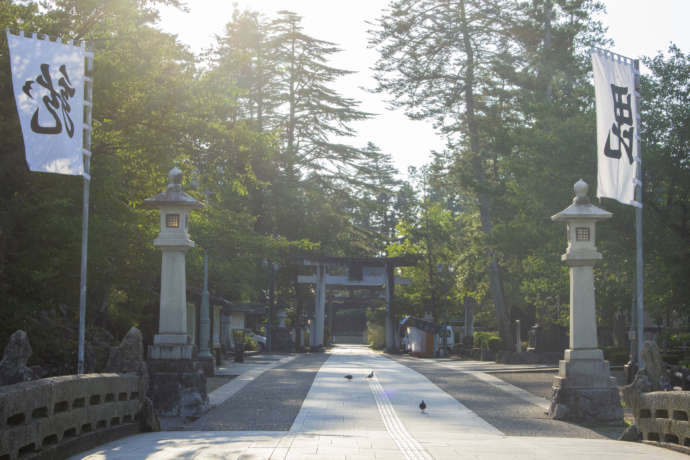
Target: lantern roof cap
173,195
581,208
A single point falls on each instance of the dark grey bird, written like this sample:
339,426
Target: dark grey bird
422,405
348,376
371,374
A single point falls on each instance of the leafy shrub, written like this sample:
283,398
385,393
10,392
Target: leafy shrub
482,338
615,355
238,336
673,357
249,343
376,335
495,343
678,339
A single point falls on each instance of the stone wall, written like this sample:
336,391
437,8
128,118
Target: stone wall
40,417
663,416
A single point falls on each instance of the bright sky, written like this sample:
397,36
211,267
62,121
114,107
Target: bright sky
638,27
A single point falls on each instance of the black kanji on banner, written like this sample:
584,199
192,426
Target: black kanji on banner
55,101
622,110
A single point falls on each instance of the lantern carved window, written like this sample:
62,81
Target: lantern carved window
582,234
172,220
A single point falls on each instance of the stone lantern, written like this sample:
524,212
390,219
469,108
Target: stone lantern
583,388
172,340
172,357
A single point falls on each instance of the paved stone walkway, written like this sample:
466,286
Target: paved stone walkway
512,410
270,403
245,372
375,418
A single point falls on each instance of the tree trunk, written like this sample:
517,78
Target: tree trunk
546,52
291,117
495,285
430,264
260,89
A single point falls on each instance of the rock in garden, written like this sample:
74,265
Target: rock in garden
559,411
654,366
631,393
13,368
97,349
631,434
653,377
129,355
149,418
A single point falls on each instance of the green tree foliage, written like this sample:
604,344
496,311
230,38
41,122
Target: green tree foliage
430,235
252,124
437,61
552,126
508,83
313,110
141,90
666,199
377,196
250,127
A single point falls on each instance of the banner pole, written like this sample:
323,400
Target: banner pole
86,152
82,284
639,279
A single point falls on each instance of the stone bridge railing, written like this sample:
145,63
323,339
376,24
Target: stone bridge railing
663,416
59,416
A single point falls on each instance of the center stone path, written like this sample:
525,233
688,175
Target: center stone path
379,417
375,418
335,404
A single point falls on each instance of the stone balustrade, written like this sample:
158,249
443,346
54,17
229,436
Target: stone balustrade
43,416
663,416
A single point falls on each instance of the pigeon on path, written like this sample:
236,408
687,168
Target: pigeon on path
348,376
422,406
371,374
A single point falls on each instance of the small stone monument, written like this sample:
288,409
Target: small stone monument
177,385
282,316
281,338
583,388
518,337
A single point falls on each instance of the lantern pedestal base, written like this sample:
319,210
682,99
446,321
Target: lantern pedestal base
171,339
171,351
208,364
178,384
584,390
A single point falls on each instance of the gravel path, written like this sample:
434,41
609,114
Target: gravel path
269,403
512,416
537,383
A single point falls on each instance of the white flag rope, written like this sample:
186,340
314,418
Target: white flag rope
618,155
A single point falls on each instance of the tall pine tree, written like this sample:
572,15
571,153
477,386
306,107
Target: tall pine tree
437,61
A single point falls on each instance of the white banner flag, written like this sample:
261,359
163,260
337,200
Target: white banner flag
617,149
48,85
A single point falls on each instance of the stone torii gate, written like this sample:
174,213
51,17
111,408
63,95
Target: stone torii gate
363,272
